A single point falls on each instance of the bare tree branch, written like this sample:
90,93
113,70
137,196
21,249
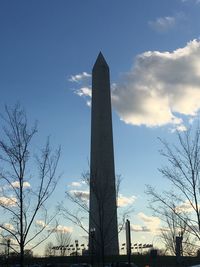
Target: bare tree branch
29,204
182,171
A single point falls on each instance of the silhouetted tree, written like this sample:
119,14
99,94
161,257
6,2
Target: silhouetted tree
80,215
183,172
49,251
25,189
173,228
63,240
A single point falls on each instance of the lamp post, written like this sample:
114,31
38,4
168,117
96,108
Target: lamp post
92,236
128,242
8,247
76,245
8,250
179,249
83,248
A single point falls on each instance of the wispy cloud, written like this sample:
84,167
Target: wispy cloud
16,184
149,219
8,201
139,228
149,224
40,223
76,184
84,91
84,76
63,229
9,226
58,228
184,207
164,24
124,201
82,194
191,1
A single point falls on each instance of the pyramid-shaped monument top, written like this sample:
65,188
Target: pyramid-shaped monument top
100,61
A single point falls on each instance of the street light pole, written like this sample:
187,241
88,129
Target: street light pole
8,249
128,242
8,246
92,235
76,245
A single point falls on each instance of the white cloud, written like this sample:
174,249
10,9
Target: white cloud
63,229
40,223
76,184
165,229
82,194
123,201
160,87
163,24
184,207
148,219
84,91
8,201
80,183
151,223
192,1
59,228
16,184
26,184
9,226
80,77
139,228
89,103
179,128
191,120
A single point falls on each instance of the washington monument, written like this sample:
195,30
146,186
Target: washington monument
103,239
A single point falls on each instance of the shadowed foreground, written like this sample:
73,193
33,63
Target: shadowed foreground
139,260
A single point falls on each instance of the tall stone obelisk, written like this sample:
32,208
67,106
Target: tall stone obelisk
103,226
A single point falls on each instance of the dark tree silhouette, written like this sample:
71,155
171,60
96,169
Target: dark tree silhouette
173,228
49,251
80,215
24,194
63,240
182,171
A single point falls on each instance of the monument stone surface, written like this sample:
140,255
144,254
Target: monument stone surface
103,227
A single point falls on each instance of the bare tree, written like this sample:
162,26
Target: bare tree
63,240
49,251
25,187
80,215
173,228
182,171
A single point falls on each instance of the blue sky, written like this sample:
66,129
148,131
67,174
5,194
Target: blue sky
45,44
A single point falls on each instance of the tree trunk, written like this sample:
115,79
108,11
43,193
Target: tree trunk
21,220
22,254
